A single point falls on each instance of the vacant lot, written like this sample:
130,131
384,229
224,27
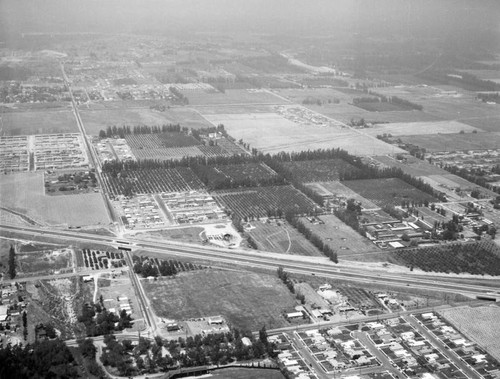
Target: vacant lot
272,133
452,142
38,122
24,193
246,300
390,191
479,324
280,237
418,128
99,119
189,234
337,189
339,236
43,262
246,373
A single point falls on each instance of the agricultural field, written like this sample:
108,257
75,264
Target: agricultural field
259,201
391,191
44,262
279,237
419,128
455,142
480,324
99,260
379,106
319,170
246,300
338,190
340,237
38,122
272,133
247,172
231,96
160,140
410,165
24,193
96,120
58,302
477,258
179,179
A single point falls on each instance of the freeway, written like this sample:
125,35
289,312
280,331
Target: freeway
318,266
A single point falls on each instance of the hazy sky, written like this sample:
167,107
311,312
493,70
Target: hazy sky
419,17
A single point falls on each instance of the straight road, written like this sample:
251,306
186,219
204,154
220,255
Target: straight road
467,370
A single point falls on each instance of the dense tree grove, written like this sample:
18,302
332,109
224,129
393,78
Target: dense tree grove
478,258
12,262
99,321
43,359
223,348
463,79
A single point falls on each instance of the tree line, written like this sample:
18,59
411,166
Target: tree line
122,131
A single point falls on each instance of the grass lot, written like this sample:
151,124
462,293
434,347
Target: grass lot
390,191
412,166
189,234
247,300
24,193
451,142
340,190
43,262
383,107
340,237
272,133
39,122
281,238
418,128
97,119
245,373
480,324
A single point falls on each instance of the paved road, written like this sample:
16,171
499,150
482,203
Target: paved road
382,358
442,348
318,266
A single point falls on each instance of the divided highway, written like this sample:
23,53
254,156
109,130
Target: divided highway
317,266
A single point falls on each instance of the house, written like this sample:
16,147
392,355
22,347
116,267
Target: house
217,320
173,327
246,341
294,315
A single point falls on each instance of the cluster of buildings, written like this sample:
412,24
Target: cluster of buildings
192,207
468,351
14,154
110,149
290,359
140,212
300,115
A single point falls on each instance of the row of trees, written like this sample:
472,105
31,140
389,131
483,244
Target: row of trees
146,357
122,131
146,268
315,239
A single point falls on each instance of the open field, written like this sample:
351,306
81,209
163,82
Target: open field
337,189
319,170
418,128
480,324
412,166
453,142
390,191
278,236
448,183
245,373
272,133
100,119
246,300
340,237
24,193
38,122
379,106
259,201
187,234
43,262
232,96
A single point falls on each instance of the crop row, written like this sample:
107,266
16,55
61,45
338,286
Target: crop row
153,181
321,170
98,260
157,140
260,201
